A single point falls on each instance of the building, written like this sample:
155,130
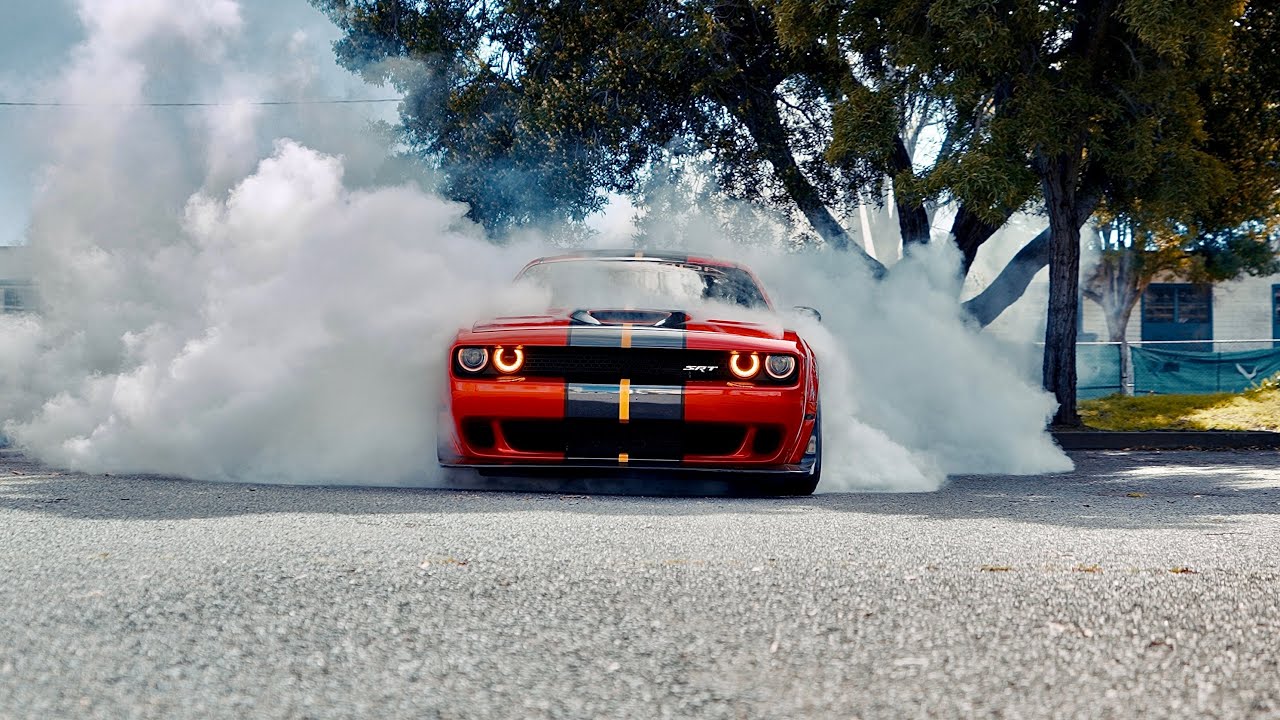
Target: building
17,293
1225,316
1183,337
1241,314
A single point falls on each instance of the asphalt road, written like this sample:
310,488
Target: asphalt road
1143,584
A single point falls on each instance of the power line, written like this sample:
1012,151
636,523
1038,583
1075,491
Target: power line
322,101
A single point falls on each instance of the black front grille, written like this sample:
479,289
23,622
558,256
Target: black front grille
768,440
657,366
646,366
642,440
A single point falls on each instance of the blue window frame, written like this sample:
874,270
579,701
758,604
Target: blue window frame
1275,314
1178,312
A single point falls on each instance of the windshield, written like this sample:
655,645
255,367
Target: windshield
642,283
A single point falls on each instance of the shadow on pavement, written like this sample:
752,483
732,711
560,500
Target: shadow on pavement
1107,490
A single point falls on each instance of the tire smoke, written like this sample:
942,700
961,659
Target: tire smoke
911,392
221,302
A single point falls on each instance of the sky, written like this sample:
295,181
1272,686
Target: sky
37,38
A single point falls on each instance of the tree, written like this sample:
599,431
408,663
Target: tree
1093,101
1232,230
556,102
579,96
1118,112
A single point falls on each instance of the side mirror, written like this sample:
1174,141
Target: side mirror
808,312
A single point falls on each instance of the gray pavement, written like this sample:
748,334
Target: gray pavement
1050,596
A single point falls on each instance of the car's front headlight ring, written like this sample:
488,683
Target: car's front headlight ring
744,365
508,360
473,359
780,367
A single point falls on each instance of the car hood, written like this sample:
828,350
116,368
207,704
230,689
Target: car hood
699,329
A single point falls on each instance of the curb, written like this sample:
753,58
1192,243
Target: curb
1166,440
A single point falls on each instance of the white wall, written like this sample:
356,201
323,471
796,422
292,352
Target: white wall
15,263
1242,310
1095,322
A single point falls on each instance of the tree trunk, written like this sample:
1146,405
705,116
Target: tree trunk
1059,175
1116,283
1116,333
969,232
1117,317
1012,281
913,218
759,113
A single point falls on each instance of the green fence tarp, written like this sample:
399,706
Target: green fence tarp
1097,370
1171,371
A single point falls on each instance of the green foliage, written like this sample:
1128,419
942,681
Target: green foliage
531,109
1123,102
864,124
1173,101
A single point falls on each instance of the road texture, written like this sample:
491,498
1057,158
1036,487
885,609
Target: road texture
1142,584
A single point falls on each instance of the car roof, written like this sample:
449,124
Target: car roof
655,256
638,254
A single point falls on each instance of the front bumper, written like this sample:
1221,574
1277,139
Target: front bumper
629,470
527,426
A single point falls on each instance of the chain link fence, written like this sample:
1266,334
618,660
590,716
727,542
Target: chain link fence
1192,366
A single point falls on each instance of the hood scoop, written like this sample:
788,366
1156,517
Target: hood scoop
639,318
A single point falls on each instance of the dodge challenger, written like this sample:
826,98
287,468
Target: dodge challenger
646,363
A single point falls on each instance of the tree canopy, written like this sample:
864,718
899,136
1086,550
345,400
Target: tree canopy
567,99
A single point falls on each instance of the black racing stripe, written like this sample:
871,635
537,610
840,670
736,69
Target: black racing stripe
657,402
642,337
591,401
590,412
611,336
595,336
593,428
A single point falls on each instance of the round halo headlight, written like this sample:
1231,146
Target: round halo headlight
744,366
779,367
473,359
508,360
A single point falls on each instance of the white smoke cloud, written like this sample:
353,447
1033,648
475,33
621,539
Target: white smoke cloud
910,392
220,303
276,327
315,352
948,396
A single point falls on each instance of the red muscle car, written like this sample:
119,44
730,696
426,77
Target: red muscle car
640,368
